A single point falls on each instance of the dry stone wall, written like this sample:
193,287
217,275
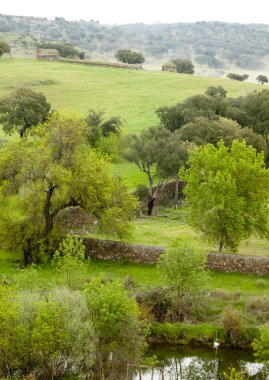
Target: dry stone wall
118,251
238,263
110,250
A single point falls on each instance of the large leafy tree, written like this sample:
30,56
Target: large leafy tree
145,150
23,109
227,191
51,170
262,79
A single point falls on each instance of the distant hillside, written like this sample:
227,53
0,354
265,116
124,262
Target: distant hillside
211,45
132,94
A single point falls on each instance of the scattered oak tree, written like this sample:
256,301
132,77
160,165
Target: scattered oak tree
4,48
237,76
262,79
23,109
51,171
145,150
129,56
184,66
227,192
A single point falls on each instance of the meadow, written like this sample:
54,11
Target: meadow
133,95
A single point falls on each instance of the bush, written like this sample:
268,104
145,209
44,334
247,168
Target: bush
184,66
232,323
129,56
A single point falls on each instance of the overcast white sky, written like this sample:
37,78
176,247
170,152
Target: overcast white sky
147,11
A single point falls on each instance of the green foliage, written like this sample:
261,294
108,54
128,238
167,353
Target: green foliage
203,130
23,109
104,135
227,193
66,50
4,48
216,91
171,117
145,150
183,333
70,257
237,76
182,266
256,107
55,170
184,66
233,325
47,334
234,375
262,79
119,332
129,56
261,345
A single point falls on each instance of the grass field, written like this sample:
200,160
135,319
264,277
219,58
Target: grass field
133,95
160,231
46,277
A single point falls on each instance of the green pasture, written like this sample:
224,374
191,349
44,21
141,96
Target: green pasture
133,95
161,230
142,275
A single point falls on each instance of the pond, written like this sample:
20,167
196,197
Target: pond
200,363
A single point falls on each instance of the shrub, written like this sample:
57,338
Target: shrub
233,325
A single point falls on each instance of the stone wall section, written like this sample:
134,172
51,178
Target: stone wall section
238,263
110,250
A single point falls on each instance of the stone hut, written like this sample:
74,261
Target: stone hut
50,54
169,67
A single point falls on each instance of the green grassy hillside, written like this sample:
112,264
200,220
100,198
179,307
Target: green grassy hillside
134,95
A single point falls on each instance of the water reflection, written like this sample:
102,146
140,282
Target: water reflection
196,363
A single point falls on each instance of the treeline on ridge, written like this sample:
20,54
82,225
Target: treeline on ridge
208,43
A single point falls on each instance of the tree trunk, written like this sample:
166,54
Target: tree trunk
151,198
27,253
176,191
150,205
49,218
220,246
27,257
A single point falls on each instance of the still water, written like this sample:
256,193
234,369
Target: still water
200,363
